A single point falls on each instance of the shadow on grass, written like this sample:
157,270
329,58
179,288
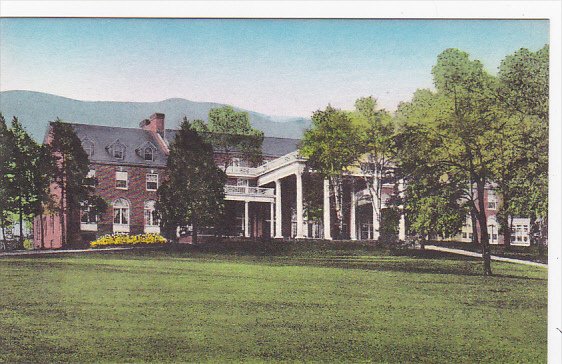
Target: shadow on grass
329,254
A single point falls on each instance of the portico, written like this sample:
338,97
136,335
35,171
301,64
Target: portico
280,186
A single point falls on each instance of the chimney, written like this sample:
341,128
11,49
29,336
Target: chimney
154,124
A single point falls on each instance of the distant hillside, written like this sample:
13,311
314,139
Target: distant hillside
35,109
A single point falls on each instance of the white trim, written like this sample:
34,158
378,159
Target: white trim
88,227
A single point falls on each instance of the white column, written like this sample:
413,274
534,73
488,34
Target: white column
327,232
246,219
278,213
376,226
402,223
271,220
352,225
300,234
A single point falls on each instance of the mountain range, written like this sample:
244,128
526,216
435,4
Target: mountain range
36,109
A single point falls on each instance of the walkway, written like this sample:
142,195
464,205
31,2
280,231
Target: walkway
62,251
479,255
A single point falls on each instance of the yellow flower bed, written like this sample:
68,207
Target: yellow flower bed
123,239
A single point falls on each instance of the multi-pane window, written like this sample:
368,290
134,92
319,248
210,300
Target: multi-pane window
151,181
121,212
520,234
150,216
88,147
91,178
119,151
492,200
121,179
148,154
87,216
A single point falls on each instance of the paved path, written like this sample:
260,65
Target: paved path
479,255
62,251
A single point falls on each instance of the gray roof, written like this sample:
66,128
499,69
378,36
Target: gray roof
271,147
131,138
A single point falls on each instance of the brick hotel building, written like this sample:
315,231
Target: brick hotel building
264,201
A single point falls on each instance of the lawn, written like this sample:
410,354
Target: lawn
330,304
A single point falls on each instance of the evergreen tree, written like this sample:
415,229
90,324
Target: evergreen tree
70,171
21,177
193,191
6,149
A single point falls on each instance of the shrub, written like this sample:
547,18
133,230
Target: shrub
128,240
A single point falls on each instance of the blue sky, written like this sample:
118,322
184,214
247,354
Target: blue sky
278,67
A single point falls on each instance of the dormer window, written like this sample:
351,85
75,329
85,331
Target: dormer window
88,147
116,149
148,154
147,151
119,152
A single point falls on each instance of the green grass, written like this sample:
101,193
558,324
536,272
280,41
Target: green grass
330,303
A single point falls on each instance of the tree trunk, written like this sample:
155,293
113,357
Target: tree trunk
42,230
3,223
20,219
336,185
473,219
507,233
194,233
484,237
62,216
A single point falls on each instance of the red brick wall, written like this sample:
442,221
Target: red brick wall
136,194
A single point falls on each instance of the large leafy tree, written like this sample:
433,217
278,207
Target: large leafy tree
230,133
377,145
331,146
193,192
522,176
71,167
455,130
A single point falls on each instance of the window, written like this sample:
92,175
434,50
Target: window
121,212
121,180
119,151
150,216
148,154
151,181
88,147
492,200
87,216
91,178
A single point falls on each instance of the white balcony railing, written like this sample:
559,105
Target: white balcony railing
268,166
249,191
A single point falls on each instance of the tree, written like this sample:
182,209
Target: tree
331,148
377,146
71,167
522,178
193,191
21,174
455,129
42,171
434,205
6,148
230,132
